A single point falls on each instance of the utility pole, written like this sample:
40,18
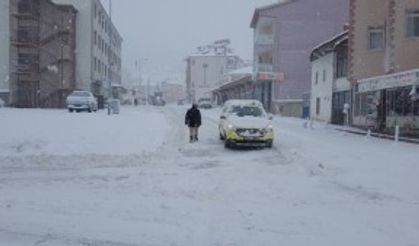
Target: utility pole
148,91
140,75
110,64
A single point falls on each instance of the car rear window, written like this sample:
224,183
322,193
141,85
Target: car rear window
81,94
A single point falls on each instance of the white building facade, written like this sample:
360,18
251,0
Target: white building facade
322,88
330,88
4,50
206,72
99,47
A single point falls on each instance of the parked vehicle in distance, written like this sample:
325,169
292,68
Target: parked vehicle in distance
181,102
245,123
81,101
205,103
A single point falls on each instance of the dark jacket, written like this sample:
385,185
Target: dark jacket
193,117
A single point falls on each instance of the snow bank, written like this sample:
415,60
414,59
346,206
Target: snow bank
26,132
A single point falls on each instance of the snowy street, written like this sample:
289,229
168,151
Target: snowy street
134,179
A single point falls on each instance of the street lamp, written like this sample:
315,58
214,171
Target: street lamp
205,66
110,96
139,66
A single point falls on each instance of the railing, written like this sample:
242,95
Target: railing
267,39
265,68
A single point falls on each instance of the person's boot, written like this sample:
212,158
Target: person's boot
196,138
191,139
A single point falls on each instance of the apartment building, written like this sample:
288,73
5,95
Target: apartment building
384,64
206,72
284,35
4,50
41,53
99,51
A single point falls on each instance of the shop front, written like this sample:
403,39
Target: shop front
382,103
341,107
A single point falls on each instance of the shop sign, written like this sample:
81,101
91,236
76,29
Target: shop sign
389,81
271,76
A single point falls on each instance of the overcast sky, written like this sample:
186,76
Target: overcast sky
165,31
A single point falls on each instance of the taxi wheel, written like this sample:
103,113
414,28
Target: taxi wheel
227,144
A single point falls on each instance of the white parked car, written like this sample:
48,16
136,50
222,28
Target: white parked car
245,123
81,101
205,103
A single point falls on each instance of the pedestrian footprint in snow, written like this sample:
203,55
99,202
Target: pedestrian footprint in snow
193,121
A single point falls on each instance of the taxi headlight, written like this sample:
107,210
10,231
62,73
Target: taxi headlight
269,129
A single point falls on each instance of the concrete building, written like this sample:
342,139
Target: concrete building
384,64
41,52
330,88
4,51
206,69
206,72
99,49
284,35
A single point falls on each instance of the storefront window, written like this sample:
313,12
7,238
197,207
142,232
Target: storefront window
416,104
367,103
400,103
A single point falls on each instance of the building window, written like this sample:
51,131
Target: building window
25,35
412,24
376,38
342,63
400,103
26,59
366,104
25,6
324,75
317,77
318,106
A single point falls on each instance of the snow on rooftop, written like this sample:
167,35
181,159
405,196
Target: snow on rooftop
243,102
329,40
242,71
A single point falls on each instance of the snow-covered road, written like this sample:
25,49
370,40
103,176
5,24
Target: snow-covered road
63,182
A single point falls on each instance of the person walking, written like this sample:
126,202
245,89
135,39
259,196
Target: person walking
193,121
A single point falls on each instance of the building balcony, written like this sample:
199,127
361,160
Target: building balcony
265,68
264,39
22,42
32,15
25,69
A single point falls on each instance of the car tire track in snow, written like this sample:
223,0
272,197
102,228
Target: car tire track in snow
51,239
203,194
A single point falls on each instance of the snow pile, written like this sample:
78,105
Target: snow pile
56,132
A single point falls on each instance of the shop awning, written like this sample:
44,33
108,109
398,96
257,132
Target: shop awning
407,78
